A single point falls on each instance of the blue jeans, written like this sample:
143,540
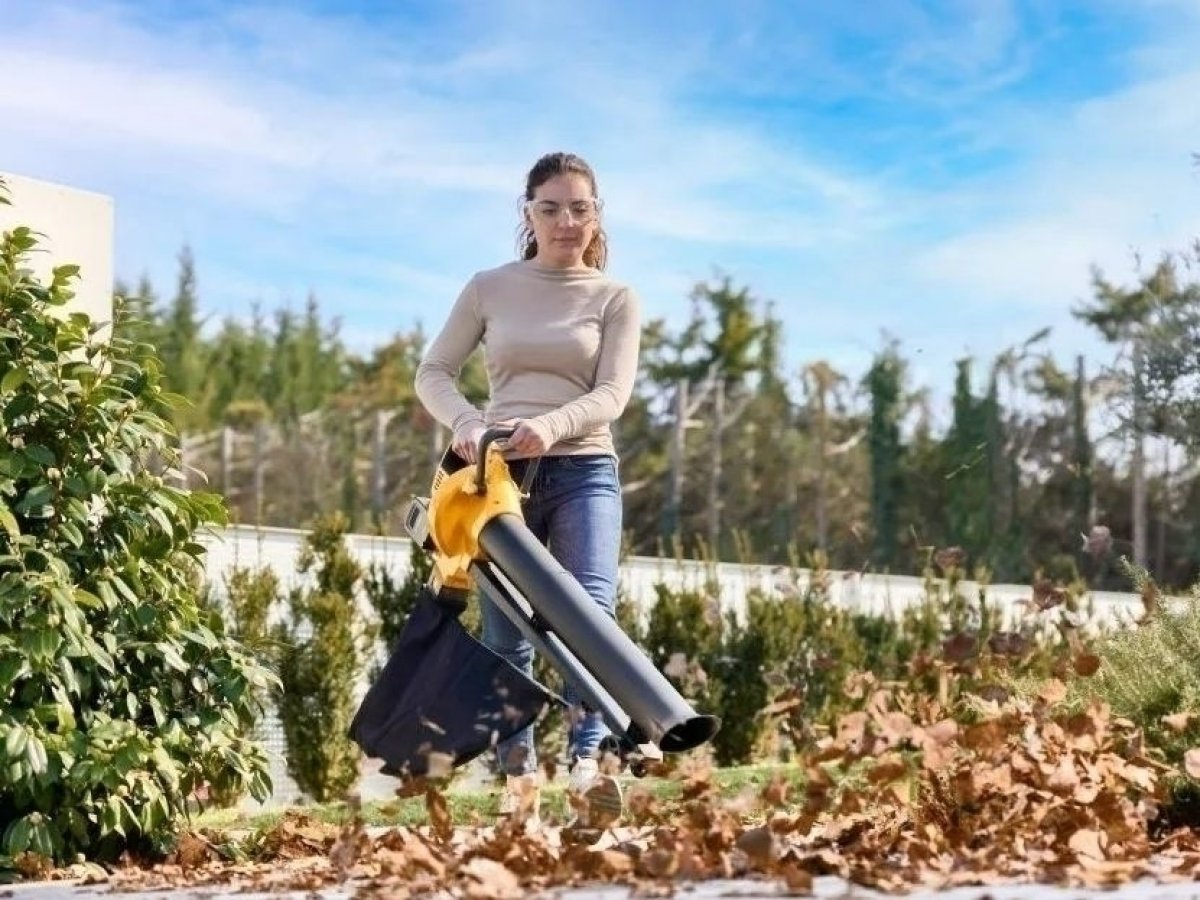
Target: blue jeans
574,508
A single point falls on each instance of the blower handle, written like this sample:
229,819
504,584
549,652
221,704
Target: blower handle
496,433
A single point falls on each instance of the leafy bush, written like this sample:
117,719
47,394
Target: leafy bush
323,646
119,695
775,674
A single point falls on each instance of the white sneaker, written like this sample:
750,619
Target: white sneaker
521,800
595,798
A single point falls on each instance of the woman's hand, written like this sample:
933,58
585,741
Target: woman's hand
528,438
466,442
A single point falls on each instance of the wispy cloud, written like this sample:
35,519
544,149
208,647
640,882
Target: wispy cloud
948,173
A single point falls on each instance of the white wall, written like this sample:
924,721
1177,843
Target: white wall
278,549
76,227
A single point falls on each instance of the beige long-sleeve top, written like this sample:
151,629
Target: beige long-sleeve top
560,347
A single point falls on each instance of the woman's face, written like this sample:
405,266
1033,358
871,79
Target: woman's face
564,217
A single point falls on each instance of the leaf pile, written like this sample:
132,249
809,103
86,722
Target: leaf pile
899,796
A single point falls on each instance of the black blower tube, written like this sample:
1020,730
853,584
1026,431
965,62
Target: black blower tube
653,703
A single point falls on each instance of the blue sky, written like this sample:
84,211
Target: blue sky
942,172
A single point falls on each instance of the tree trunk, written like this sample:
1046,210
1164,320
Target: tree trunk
260,470
822,470
379,464
1164,512
227,461
714,482
670,526
1138,461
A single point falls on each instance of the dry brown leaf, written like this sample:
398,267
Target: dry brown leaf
490,880
1088,843
1063,777
676,666
797,881
759,845
1053,691
887,768
1179,722
439,812
659,863
1191,762
960,647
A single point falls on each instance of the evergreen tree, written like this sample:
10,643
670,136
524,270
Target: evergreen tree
181,348
885,383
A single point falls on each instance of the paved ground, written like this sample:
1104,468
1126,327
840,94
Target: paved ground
825,888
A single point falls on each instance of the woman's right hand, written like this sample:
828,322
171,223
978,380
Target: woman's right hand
466,442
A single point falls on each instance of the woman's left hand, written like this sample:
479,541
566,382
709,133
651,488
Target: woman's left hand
528,439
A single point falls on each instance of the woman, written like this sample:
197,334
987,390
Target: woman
561,345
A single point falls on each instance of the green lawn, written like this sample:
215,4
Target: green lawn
479,806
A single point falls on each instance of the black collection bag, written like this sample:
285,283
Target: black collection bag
443,692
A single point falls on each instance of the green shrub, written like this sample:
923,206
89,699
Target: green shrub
683,635
1147,674
119,695
249,595
776,674
323,648
793,649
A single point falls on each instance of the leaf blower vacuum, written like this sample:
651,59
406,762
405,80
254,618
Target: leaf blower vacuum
444,698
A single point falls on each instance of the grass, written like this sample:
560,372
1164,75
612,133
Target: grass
474,806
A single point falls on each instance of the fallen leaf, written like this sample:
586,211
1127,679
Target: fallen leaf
1191,762
1179,722
1087,843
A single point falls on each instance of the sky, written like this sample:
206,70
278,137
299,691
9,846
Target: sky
945,174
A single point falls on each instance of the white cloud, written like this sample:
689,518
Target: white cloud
1108,182
273,140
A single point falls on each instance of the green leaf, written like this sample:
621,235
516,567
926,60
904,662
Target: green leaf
16,836
88,599
35,754
67,671
160,519
124,589
101,657
22,405
40,840
11,668
107,595
110,817
41,643
9,522
71,532
14,743
171,657
156,710
43,456
13,379
37,497
174,401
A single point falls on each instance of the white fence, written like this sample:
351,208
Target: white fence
278,548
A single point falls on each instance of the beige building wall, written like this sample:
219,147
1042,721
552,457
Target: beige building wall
76,227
